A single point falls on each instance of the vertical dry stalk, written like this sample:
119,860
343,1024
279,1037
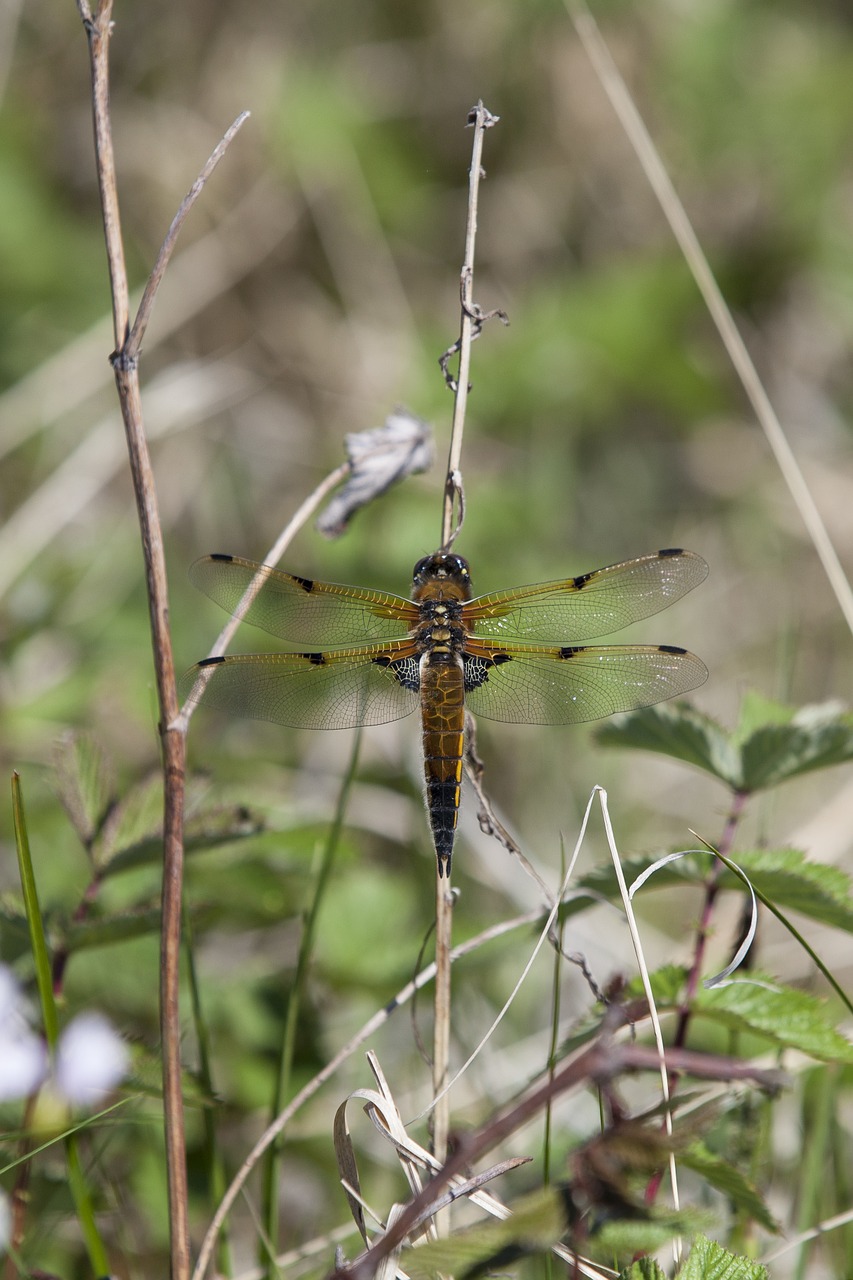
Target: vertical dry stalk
481,119
173,736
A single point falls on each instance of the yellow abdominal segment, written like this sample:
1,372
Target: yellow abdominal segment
443,710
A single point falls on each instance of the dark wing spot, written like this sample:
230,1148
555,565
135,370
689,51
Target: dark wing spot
405,670
581,580
671,551
219,556
670,648
211,662
570,650
317,659
476,670
307,584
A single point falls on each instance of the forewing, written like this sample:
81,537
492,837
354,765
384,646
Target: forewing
531,684
593,604
338,690
301,610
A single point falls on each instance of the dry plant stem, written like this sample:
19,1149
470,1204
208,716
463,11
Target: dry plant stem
276,551
125,366
482,120
441,1032
676,215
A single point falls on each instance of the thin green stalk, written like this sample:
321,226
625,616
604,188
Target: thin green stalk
50,1021
85,1208
270,1176
35,924
815,1159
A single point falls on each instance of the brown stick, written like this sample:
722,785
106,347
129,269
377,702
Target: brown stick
173,736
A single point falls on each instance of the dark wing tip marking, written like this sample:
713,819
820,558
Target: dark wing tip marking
218,555
670,648
581,580
210,662
307,584
671,551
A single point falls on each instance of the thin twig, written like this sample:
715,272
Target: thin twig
146,305
676,215
482,119
276,551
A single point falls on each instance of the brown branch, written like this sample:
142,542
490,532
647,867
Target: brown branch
173,736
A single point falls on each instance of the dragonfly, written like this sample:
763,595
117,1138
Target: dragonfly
511,655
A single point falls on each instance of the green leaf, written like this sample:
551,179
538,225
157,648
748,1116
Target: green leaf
83,784
679,731
537,1222
731,1182
645,1235
788,879
643,1269
757,712
710,1261
814,738
771,744
137,815
788,1017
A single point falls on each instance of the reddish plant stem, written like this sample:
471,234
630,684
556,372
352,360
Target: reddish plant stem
173,739
712,888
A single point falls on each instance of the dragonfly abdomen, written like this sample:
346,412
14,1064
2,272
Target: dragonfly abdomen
443,713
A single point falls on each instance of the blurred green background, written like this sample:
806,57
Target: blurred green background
315,285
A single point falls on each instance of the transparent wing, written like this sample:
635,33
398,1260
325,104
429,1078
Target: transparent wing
337,690
529,684
593,604
301,610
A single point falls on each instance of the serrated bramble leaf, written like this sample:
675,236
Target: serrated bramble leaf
723,1176
138,815
646,1235
788,1017
643,1269
814,738
679,731
757,712
83,783
710,1261
787,878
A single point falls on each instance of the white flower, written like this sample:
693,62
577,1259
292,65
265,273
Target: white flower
23,1056
91,1059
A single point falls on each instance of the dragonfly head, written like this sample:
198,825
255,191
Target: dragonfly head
443,568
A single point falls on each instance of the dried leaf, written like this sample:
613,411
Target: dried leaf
379,458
